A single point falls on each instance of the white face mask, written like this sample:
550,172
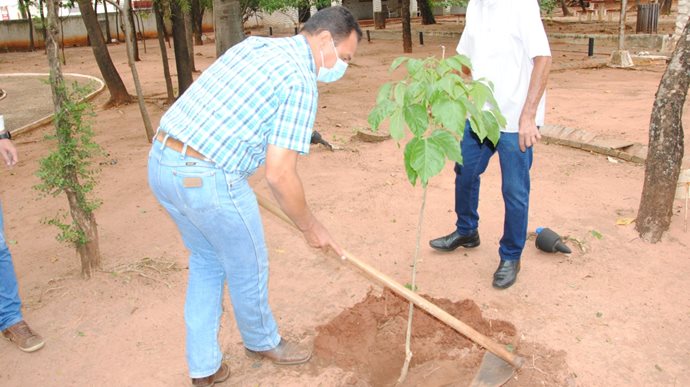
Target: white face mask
334,73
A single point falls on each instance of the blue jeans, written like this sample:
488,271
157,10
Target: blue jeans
515,166
10,304
218,218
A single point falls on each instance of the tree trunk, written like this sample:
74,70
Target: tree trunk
160,26
43,22
303,14
189,35
197,22
129,31
665,154
117,89
427,12
564,7
227,21
108,36
406,27
89,252
133,36
184,68
26,13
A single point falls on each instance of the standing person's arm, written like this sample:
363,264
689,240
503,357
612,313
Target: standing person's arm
528,132
9,152
286,185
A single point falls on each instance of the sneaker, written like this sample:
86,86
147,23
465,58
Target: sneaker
26,339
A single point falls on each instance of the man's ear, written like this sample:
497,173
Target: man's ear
323,38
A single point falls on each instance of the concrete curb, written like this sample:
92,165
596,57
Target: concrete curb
44,120
582,139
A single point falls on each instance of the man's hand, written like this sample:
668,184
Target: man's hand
317,236
9,152
528,133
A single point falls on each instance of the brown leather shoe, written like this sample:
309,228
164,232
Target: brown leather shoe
220,376
26,339
286,353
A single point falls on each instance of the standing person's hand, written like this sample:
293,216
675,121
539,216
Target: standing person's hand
528,133
9,152
318,236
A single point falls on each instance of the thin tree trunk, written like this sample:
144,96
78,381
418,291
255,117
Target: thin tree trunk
129,31
197,22
26,13
426,11
189,35
665,154
116,87
184,68
227,21
108,36
43,22
133,36
413,287
564,7
406,27
160,26
89,252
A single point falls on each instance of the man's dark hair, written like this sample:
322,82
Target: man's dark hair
336,20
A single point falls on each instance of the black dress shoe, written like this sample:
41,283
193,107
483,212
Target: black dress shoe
506,274
454,240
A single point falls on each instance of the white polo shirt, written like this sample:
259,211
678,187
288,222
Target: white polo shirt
501,38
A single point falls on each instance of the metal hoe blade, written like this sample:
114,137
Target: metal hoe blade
493,372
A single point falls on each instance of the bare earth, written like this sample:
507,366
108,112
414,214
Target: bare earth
615,312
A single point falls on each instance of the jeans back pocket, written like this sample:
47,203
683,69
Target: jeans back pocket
196,188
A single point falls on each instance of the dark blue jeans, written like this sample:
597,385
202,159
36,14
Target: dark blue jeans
515,166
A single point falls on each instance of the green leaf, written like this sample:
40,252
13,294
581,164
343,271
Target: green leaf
481,93
414,66
384,92
457,62
416,118
597,234
397,62
416,92
411,173
379,113
449,114
397,124
449,144
493,131
399,92
427,159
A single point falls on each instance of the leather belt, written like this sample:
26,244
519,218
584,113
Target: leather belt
178,146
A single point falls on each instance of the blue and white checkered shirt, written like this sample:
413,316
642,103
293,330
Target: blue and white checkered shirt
261,91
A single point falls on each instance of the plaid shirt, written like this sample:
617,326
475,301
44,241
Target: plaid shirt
261,91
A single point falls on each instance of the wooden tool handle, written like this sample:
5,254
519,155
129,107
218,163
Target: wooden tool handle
382,279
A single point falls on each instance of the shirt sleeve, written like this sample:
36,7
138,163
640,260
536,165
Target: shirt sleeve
294,118
532,31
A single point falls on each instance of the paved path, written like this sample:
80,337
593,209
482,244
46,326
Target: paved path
28,97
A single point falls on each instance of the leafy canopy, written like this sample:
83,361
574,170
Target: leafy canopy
433,102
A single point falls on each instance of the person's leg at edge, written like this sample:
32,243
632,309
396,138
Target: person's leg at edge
515,167
203,303
475,156
515,174
10,304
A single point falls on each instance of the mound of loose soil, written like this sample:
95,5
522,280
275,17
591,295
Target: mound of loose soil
369,340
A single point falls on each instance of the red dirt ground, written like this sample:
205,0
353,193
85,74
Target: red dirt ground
615,312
